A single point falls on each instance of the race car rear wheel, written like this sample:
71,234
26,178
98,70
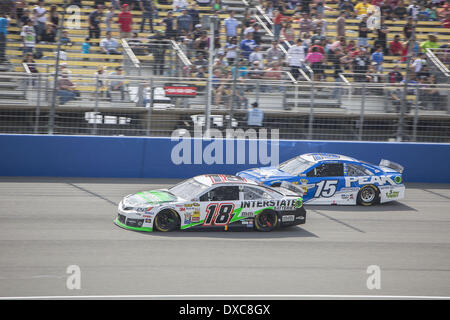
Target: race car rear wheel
368,195
266,221
166,220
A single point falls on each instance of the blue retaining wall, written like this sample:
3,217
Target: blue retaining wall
135,157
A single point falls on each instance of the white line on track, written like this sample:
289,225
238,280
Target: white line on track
319,296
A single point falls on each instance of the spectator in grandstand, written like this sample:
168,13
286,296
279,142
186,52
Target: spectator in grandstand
315,60
4,23
194,13
200,73
231,50
395,76
413,10
257,34
396,46
296,58
347,7
28,35
256,71
410,45
20,9
158,49
137,46
201,44
184,23
66,90
400,11
274,53
40,19
86,48
386,9
305,24
100,77
340,44
94,21
130,3
430,97
277,24
109,45
306,6
319,25
446,21
170,32
256,56
378,58
49,35
382,33
360,65
29,61
231,24
363,9
363,32
268,9
340,24
179,5
408,28
255,116
247,45
109,18
200,61
288,33
53,17
117,83
418,63
444,11
65,40
249,29
431,43
220,63
125,21
23,21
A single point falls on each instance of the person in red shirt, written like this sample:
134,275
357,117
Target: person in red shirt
446,21
396,47
125,21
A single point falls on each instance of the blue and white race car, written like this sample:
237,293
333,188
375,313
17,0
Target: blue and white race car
335,179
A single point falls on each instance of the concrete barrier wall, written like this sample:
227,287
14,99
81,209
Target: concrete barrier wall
136,157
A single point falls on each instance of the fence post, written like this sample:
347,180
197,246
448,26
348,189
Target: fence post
258,89
38,105
311,111
361,115
416,115
149,109
97,80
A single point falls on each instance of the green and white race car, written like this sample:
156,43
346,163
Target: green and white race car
213,201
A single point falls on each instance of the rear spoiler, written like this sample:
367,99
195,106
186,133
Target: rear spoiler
296,189
391,165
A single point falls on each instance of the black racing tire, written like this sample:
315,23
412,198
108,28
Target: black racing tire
166,220
368,195
266,221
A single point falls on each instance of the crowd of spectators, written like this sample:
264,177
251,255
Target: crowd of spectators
298,26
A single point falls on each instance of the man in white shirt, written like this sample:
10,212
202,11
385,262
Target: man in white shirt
179,5
256,55
413,10
41,18
296,58
255,116
109,45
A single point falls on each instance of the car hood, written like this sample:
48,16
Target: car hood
265,173
152,197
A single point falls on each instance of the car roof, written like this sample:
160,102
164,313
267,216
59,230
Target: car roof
319,157
217,179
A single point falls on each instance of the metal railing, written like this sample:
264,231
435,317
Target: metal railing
152,106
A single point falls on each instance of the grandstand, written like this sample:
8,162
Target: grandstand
337,106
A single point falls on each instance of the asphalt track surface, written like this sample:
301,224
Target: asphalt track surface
48,224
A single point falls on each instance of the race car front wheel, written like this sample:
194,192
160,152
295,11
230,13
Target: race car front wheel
368,195
266,221
166,220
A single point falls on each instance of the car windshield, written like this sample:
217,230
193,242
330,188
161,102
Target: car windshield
295,166
188,189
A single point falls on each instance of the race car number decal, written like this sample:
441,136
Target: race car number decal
218,214
326,188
